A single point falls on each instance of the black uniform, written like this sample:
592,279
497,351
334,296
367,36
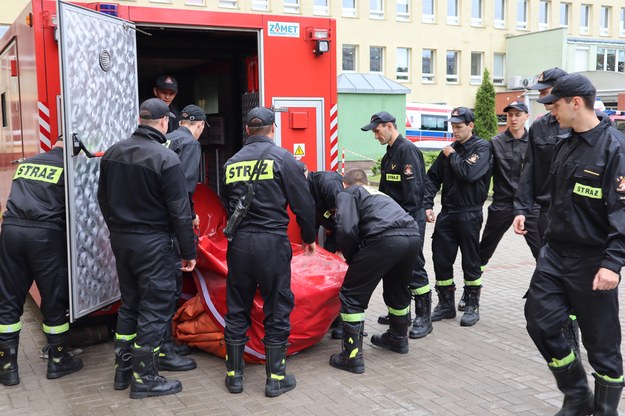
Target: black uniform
143,197
508,156
586,232
33,245
189,150
465,177
324,187
260,252
379,241
403,179
174,122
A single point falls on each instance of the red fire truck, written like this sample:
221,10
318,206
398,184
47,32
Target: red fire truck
81,69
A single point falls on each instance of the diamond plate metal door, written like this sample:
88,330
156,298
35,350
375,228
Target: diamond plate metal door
100,106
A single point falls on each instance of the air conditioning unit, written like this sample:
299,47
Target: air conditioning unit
515,83
528,82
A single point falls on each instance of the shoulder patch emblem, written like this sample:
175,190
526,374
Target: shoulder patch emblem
473,158
408,171
620,184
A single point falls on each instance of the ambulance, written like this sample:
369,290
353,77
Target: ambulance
427,126
80,70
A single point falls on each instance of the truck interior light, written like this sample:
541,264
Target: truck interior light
321,47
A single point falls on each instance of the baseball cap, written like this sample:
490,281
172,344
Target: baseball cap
166,82
515,105
153,109
461,115
264,114
377,118
571,85
548,78
193,113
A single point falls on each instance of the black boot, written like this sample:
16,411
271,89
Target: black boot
337,328
384,319
235,364
350,359
123,364
461,303
472,310
9,375
572,381
396,338
60,363
278,381
607,396
168,360
145,379
422,324
446,308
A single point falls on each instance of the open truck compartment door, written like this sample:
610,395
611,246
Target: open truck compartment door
98,61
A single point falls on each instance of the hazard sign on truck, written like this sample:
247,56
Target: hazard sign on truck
80,69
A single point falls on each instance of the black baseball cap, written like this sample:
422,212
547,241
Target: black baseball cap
461,115
166,82
571,85
548,78
377,118
515,105
193,113
265,115
153,109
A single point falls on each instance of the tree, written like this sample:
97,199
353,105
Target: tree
485,116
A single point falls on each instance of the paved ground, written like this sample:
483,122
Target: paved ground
490,369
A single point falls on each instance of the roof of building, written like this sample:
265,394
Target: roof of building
356,83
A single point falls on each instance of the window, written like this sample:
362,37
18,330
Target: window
584,19
222,3
565,10
403,64
604,21
620,67
581,59
403,10
452,12
291,6
476,67
451,67
428,11
521,15
500,14
622,24
349,58
427,65
260,4
376,9
611,60
476,13
376,59
499,68
543,15
320,7
349,8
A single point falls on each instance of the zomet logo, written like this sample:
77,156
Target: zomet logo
284,29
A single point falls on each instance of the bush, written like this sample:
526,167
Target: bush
428,159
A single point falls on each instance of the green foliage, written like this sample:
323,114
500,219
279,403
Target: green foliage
485,116
428,159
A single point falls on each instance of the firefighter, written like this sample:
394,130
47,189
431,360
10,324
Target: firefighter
33,247
184,142
143,197
166,89
463,169
403,179
379,240
259,253
579,266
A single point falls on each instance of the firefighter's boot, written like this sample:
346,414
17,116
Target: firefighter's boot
123,364
446,308
472,310
337,328
278,381
396,337
168,360
145,379
235,364
462,303
60,363
351,358
607,396
9,375
572,381
422,324
384,319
